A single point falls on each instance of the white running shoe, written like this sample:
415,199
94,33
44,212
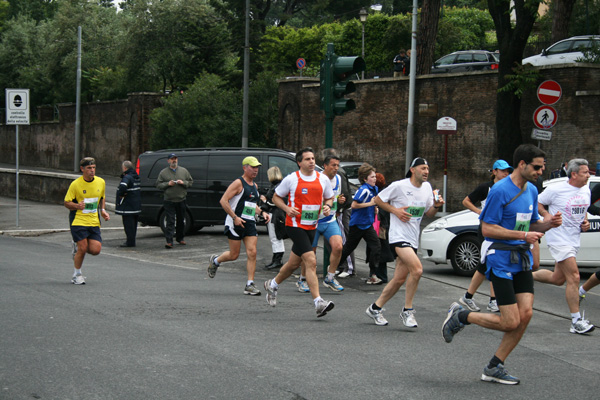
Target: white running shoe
271,293
408,318
469,304
493,306
377,316
582,326
302,286
78,280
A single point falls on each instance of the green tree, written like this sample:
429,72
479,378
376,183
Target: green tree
512,38
170,42
207,114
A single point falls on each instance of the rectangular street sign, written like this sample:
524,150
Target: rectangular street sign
541,135
17,106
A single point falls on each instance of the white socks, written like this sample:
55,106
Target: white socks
575,317
77,272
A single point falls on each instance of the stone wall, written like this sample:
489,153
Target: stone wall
376,131
111,132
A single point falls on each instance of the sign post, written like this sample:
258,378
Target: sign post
301,64
17,113
446,126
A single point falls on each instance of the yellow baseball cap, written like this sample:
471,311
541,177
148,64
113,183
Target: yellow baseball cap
251,161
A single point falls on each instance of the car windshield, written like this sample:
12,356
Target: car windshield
351,171
562,47
446,60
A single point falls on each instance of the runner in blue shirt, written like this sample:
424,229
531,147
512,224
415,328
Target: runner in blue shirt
510,225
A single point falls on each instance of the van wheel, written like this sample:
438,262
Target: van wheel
465,255
187,220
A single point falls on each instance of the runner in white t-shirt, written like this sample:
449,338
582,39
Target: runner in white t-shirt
407,201
572,199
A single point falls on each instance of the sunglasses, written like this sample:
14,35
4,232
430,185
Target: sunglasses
536,167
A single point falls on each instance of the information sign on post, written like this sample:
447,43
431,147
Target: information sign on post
17,106
17,113
446,126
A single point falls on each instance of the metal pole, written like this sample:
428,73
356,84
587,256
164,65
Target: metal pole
445,193
17,170
77,152
246,78
363,48
411,90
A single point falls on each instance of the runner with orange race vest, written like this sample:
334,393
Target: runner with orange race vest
306,190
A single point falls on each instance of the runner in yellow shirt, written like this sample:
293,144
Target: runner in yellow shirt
84,198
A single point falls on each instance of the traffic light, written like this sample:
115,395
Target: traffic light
335,72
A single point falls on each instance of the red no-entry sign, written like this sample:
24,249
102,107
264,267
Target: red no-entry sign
549,92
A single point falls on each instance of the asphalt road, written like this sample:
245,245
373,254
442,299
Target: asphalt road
150,324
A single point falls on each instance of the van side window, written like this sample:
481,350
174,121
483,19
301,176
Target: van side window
286,166
225,167
158,166
196,165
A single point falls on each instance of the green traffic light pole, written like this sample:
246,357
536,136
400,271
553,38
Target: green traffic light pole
329,116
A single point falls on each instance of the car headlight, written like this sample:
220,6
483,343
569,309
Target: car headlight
437,225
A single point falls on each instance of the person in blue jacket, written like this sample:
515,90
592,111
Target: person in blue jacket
129,202
362,218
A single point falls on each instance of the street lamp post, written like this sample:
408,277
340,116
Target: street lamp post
362,14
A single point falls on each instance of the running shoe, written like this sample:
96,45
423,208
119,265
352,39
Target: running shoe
212,267
345,275
271,293
333,285
73,249
582,326
251,289
323,307
374,280
408,318
469,304
377,316
452,325
78,280
493,306
302,286
499,375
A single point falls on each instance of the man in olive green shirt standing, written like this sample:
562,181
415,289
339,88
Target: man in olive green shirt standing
174,181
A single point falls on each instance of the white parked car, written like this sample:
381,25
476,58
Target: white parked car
454,237
564,52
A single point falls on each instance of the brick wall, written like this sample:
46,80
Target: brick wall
376,131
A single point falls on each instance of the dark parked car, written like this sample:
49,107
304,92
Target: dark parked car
213,169
466,61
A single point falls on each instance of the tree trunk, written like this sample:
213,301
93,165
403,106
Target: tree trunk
427,33
561,18
511,42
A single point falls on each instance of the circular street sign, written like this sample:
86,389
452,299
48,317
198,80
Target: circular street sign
549,92
545,117
300,63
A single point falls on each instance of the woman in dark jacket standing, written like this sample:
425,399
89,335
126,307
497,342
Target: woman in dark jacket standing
129,202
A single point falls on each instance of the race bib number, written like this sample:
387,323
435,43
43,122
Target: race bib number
416,212
310,214
522,222
249,210
90,205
